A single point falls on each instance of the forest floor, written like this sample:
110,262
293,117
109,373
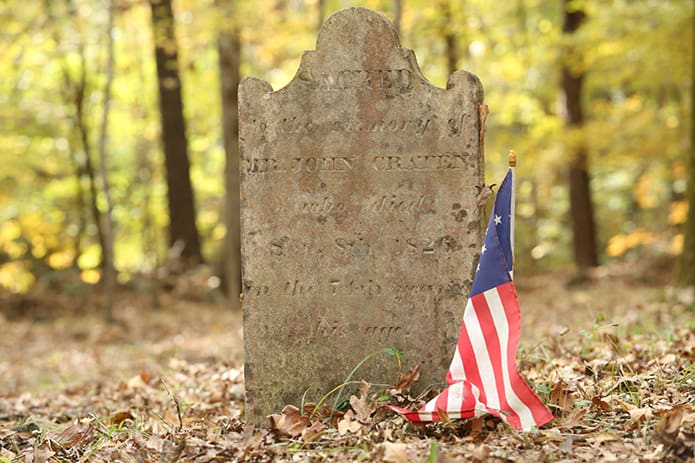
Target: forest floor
614,360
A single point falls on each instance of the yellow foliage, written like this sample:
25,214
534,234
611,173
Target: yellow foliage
219,231
14,249
61,259
15,277
645,193
675,247
90,276
623,242
9,231
90,257
678,212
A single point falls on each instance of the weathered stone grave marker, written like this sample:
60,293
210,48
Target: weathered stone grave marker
359,221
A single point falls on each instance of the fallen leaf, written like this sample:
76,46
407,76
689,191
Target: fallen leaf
155,443
42,453
667,429
597,402
640,415
348,424
118,418
290,423
405,380
363,407
393,452
480,452
323,412
313,431
561,395
76,434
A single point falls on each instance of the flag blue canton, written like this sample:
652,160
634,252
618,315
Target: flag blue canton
496,261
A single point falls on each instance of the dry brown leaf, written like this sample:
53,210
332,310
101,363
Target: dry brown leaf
393,452
76,434
290,423
313,431
42,453
405,380
562,396
323,412
348,423
118,418
479,453
640,415
597,402
155,443
667,429
363,407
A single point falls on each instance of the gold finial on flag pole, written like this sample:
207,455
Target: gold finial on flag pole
512,158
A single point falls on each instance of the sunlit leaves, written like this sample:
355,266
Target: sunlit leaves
636,55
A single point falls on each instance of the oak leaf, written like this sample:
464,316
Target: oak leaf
405,380
363,407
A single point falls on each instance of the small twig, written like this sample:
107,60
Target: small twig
176,402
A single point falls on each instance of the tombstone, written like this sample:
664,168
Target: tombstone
359,224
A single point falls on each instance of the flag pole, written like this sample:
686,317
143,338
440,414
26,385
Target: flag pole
512,166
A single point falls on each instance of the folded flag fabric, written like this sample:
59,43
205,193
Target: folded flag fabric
483,376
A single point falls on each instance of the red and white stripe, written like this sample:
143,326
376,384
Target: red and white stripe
483,376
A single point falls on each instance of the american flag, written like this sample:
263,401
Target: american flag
483,377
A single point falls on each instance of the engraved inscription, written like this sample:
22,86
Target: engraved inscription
325,328
358,246
327,164
322,207
393,203
294,125
372,79
296,165
368,289
381,163
447,161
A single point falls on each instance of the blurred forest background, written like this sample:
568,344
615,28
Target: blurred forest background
118,117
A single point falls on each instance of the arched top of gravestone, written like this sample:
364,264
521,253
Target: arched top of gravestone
358,36
359,49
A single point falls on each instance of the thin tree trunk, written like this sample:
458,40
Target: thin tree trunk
321,13
144,177
183,233
449,38
397,14
109,265
68,92
86,167
229,50
686,267
581,205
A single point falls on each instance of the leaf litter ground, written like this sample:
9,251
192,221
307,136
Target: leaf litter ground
614,361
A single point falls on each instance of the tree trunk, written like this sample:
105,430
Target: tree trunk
229,50
686,267
449,38
397,14
581,205
109,265
183,233
321,13
72,94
